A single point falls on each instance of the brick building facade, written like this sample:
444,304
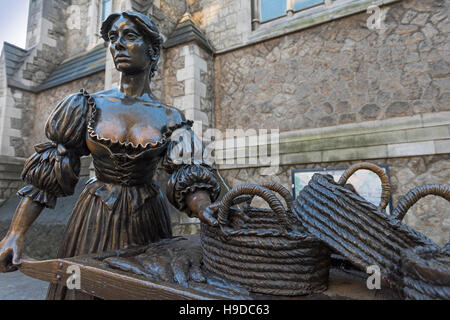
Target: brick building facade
338,90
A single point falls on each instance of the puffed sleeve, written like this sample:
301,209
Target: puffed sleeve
53,170
191,171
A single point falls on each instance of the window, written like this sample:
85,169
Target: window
106,8
305,4
272,9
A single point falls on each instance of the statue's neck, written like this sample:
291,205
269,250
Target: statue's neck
135,85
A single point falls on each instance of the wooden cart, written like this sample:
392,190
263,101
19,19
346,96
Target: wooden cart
100,280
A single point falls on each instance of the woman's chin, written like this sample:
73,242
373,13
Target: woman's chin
125,67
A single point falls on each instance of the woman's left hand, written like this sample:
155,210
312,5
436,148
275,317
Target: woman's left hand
209,214
200,205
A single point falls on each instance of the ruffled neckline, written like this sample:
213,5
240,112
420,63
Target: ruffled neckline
128,146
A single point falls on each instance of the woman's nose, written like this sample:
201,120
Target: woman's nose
119,44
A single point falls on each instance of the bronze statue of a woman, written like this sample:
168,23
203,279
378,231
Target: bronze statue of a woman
128,132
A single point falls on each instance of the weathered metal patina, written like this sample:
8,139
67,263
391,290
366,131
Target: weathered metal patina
127,131
366,235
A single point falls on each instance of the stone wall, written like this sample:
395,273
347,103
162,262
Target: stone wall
189,82
47,32
429,215
173,88
47,100
10,169
339,72
77,37
225,23
24,101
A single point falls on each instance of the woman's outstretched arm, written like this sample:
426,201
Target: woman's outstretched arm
11,246
51,172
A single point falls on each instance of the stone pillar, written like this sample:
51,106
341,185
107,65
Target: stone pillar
196,76
189,86
194,87
5,148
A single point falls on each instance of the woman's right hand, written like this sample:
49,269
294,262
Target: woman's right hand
11,252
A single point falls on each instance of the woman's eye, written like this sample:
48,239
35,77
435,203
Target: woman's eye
112,37
131,36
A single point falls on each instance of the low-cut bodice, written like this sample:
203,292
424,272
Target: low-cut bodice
127,144
126,153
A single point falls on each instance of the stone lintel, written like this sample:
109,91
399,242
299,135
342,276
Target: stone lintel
188,32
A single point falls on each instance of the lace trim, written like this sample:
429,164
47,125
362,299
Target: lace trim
128,145
41,196
180,195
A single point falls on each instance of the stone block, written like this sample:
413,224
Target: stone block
442,146
429,133
411,149
435,119
301,157
364,153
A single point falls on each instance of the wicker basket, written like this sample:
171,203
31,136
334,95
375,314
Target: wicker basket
425,270
426,274
261,249
361,232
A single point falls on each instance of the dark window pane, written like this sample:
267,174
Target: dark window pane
272,8
303,4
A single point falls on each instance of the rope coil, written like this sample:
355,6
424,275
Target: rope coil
255,248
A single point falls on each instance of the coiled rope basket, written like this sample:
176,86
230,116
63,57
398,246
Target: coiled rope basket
365,234
262,249
426,270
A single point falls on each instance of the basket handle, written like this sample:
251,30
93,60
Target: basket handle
253,190
278,188
385,186
416,194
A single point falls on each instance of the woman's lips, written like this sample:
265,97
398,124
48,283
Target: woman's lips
122,59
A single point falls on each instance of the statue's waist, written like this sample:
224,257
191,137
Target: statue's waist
132,173
112,193
128,179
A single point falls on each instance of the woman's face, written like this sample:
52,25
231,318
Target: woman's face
128,47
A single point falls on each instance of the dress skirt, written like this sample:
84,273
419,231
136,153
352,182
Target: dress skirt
111,217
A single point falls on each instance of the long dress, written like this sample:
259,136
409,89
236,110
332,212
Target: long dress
122,205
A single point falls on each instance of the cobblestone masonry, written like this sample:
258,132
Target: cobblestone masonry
173,88
340,72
